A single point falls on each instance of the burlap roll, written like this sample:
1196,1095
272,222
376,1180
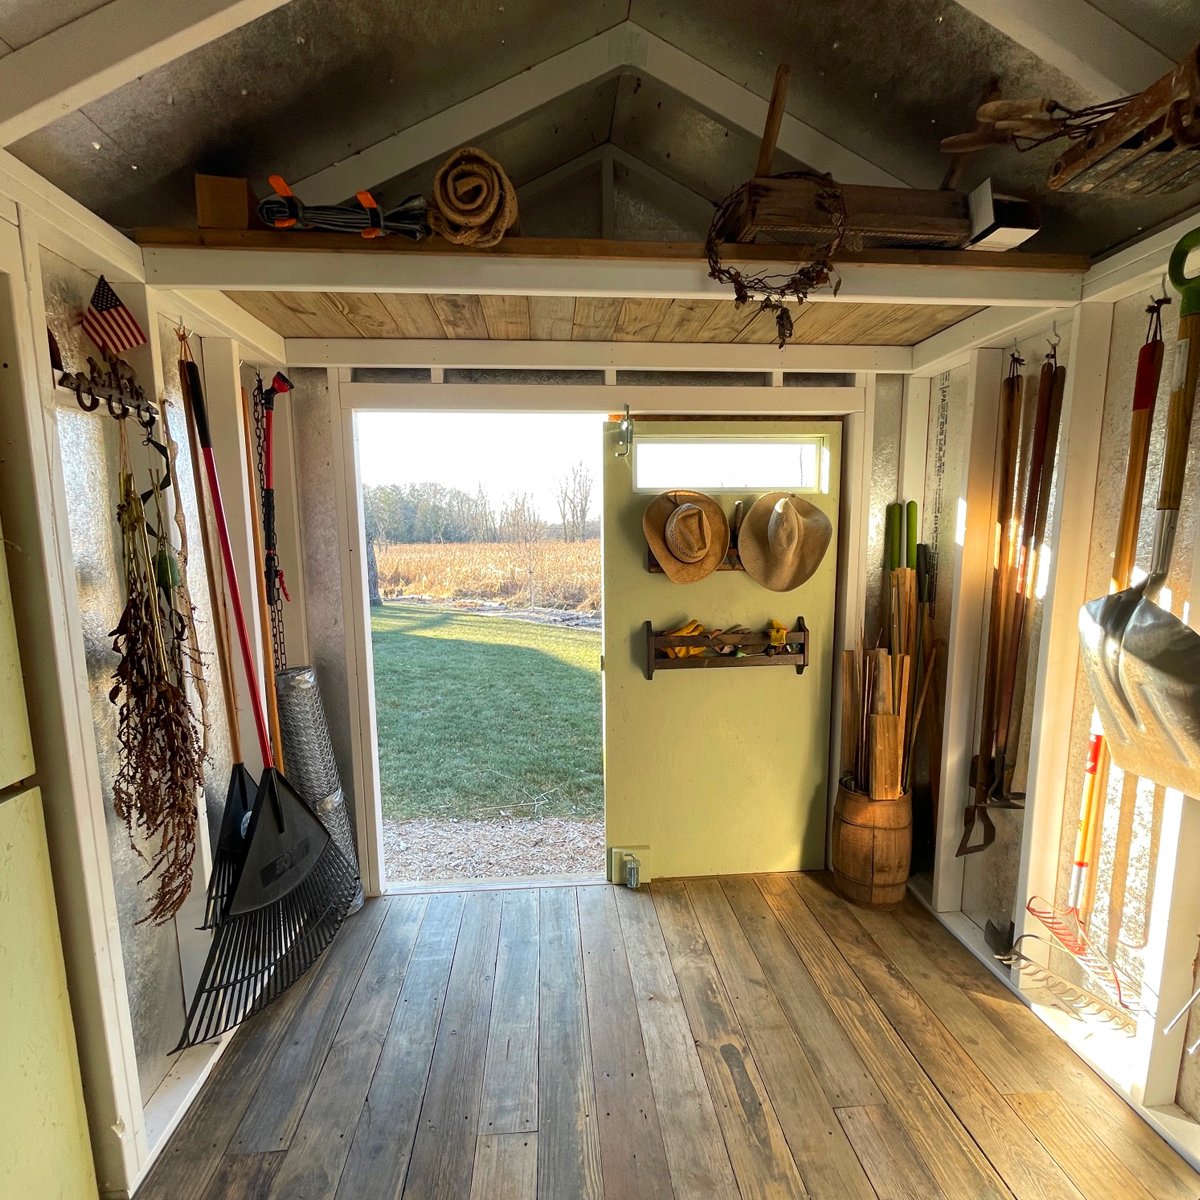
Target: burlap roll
474,201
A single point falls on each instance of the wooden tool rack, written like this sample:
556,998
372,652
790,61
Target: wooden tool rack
789,656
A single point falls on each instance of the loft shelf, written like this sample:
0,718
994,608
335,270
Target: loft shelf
656,643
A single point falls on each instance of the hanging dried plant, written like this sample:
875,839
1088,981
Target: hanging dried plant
162,760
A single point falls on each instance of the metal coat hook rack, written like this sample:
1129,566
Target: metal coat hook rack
115,383
625,435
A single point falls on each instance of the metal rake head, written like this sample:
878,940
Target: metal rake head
1065,927
1076,999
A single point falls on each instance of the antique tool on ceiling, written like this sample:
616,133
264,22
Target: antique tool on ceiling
1142,662
289,888
1069,924
1137,145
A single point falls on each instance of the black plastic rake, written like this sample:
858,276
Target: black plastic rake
280,888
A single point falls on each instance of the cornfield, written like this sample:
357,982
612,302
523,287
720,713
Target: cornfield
565,575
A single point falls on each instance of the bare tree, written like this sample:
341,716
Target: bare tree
574,500
521,524
581,499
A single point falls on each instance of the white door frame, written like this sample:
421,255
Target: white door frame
347,398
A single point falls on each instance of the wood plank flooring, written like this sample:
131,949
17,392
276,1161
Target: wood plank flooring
717,1038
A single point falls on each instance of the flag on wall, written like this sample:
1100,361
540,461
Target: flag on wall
109,323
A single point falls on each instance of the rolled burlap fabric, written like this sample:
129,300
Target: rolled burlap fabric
474,201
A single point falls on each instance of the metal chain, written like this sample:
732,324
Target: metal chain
278,641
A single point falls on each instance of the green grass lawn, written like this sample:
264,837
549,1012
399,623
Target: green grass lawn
478,714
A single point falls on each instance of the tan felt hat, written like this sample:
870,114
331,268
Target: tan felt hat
782,540
688,533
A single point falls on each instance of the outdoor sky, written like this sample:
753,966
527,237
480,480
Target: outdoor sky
506,452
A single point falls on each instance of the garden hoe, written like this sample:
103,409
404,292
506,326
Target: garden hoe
1142,662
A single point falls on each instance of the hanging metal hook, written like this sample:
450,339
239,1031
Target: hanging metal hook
625,435
1053,341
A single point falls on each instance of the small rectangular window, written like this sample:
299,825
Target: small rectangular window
795,464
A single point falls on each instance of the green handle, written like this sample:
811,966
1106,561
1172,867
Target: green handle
894,535
1188,286
910,530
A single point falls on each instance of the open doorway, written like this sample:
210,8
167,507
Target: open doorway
482,534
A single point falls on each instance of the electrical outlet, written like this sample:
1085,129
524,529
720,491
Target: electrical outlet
616,862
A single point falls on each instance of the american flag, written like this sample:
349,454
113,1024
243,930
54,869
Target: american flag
109,323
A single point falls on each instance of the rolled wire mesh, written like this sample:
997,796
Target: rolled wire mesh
308,756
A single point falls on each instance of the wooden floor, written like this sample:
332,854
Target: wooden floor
750,1037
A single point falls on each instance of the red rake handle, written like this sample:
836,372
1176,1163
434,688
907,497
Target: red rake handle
200,412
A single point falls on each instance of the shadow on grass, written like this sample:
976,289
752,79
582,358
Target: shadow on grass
486,716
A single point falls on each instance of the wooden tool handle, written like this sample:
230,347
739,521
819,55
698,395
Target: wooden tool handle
1179,415
1131,504
1012,110
775,110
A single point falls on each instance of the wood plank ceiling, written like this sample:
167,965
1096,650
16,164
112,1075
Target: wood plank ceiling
587,318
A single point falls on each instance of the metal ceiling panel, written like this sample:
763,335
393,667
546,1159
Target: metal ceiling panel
640,212
1170,26
311,83
888,78
24,21
668,132
543,140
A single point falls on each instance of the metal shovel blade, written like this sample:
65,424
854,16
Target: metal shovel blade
1143,666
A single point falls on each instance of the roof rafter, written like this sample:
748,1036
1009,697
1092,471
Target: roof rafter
1079,40
105,49
607,153
624,48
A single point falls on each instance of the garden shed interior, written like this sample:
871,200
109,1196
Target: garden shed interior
233,230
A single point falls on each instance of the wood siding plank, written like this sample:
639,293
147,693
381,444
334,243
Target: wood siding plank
828,1165
387,1124
758,1150
272,1116
366,312
505,1167
506,317
632,1156
971,1026
943,1144
443,1155
889,1158
1095,1169
640,319
509,1103
315,1159
696,1154
271,308
1027,1169
568,1138
184,1168
551,318
461,316
844,1078
596,318
243,1176
684,319
413,315
726,321
1096,1105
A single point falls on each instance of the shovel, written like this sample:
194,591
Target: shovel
1143,663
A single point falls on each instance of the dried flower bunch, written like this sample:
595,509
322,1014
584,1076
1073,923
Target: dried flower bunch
157,789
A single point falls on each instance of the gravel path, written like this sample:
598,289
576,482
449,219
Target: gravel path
426,849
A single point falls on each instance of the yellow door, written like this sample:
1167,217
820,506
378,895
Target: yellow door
714,771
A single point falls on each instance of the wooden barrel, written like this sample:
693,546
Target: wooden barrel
872,846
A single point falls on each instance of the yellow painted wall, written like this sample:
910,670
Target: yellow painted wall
715,770
45,1153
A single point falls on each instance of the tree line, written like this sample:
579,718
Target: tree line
431,512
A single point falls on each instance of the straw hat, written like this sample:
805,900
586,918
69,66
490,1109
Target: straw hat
782,540
688,533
